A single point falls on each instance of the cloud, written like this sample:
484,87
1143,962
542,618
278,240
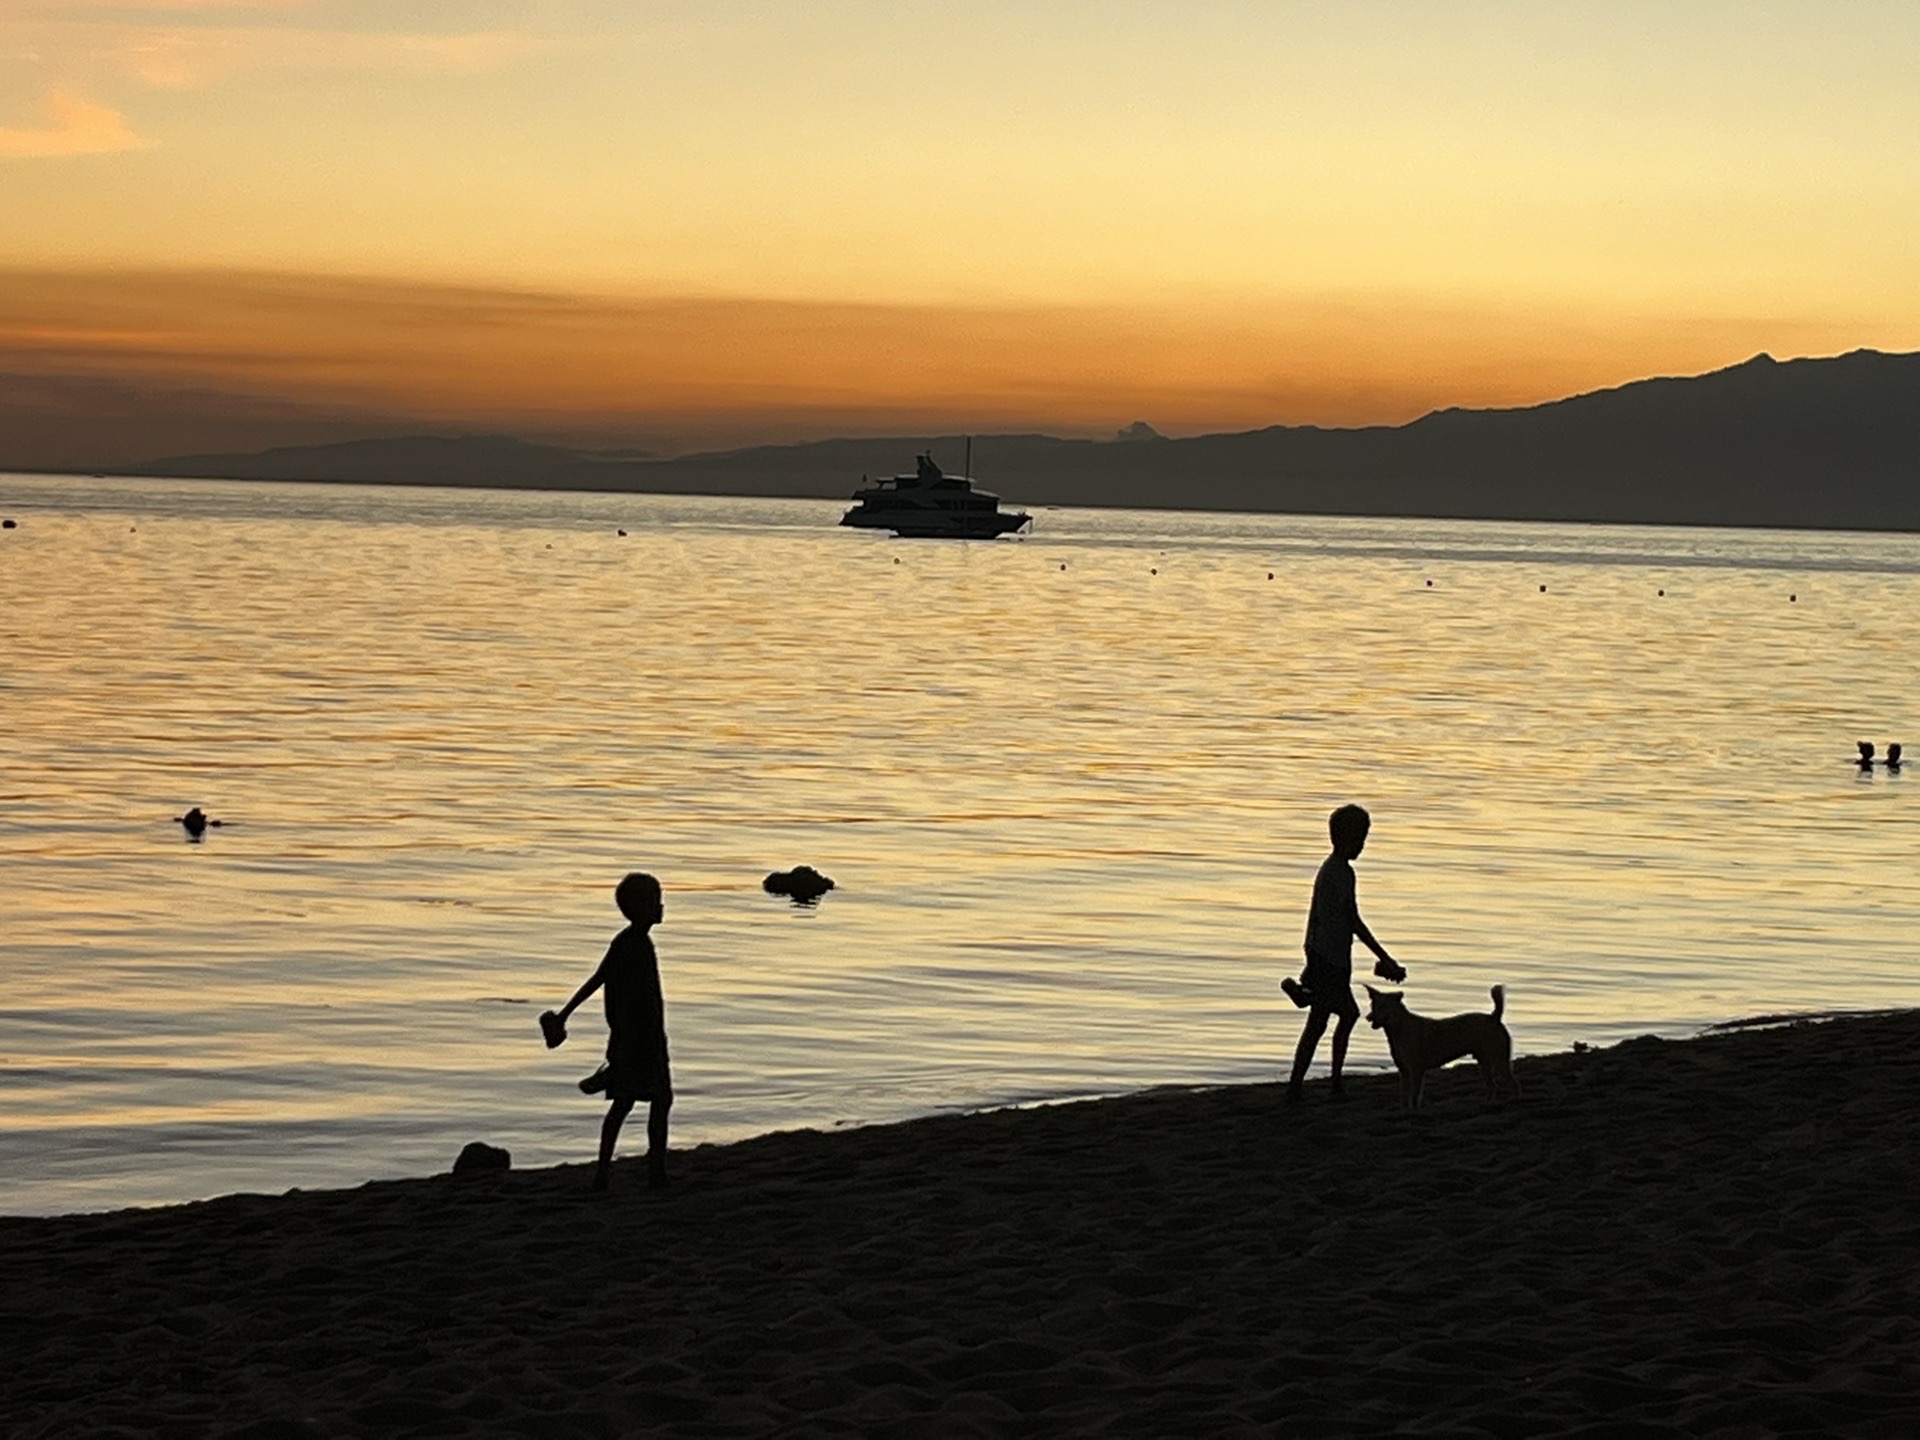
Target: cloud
79,127
179,44
180,57
88,9
697,373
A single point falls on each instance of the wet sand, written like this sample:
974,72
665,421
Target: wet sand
1712,1237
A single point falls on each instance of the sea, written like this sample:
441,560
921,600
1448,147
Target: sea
1072,789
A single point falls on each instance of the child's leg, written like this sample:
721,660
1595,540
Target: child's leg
1341,1034
1316,1026
657,1114
617,1114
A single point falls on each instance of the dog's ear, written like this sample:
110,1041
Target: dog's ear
1372,994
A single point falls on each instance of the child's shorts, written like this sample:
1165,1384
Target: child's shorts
639,1071
1331,991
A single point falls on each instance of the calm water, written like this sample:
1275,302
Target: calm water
1074,806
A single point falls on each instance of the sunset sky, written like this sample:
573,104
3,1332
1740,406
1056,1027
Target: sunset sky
688,225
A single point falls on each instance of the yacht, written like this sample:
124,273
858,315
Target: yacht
930,504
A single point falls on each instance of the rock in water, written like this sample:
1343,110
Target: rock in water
802,883
480,1158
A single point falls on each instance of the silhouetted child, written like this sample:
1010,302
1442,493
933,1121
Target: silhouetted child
636,1067
1325,986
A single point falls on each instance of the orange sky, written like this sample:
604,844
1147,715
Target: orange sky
682,227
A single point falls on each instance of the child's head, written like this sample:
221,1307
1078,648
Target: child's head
638,897
1348,826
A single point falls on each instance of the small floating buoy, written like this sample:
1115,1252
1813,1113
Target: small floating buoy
1269,574
1662,592
1429,584
1792,598
1543,589
1153,569
1063,564
9,525
619,532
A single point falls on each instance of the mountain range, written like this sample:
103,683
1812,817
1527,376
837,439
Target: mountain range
1817,443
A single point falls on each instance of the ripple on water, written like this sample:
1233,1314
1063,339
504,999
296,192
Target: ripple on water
1073,814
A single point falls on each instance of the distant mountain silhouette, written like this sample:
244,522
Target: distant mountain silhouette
476,460
1827,443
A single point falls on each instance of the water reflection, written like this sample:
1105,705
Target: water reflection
1072,813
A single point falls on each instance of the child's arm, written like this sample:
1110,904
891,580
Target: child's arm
592,984
554,1027
1388,968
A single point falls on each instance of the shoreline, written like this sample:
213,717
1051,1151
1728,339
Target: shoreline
1359,1068
837,493
1709,1236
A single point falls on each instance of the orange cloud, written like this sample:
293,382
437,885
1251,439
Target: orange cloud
33,9
178,44
701,373
77,127
193,55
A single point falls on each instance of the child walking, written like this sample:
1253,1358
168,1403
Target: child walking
636,1068
1325,986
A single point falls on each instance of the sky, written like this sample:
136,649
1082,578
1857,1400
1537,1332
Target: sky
684,226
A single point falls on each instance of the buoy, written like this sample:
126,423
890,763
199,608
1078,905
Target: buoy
1543,589
1663,592
8,525
619,532
1429,584
1153,569
1269,574
1792,598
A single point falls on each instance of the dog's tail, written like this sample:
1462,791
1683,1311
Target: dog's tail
1499,1000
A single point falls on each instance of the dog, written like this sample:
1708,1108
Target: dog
1420,1044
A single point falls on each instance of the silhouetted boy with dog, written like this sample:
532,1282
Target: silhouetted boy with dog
1325,986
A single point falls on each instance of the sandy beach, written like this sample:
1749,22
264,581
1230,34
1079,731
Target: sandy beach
1714,1237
